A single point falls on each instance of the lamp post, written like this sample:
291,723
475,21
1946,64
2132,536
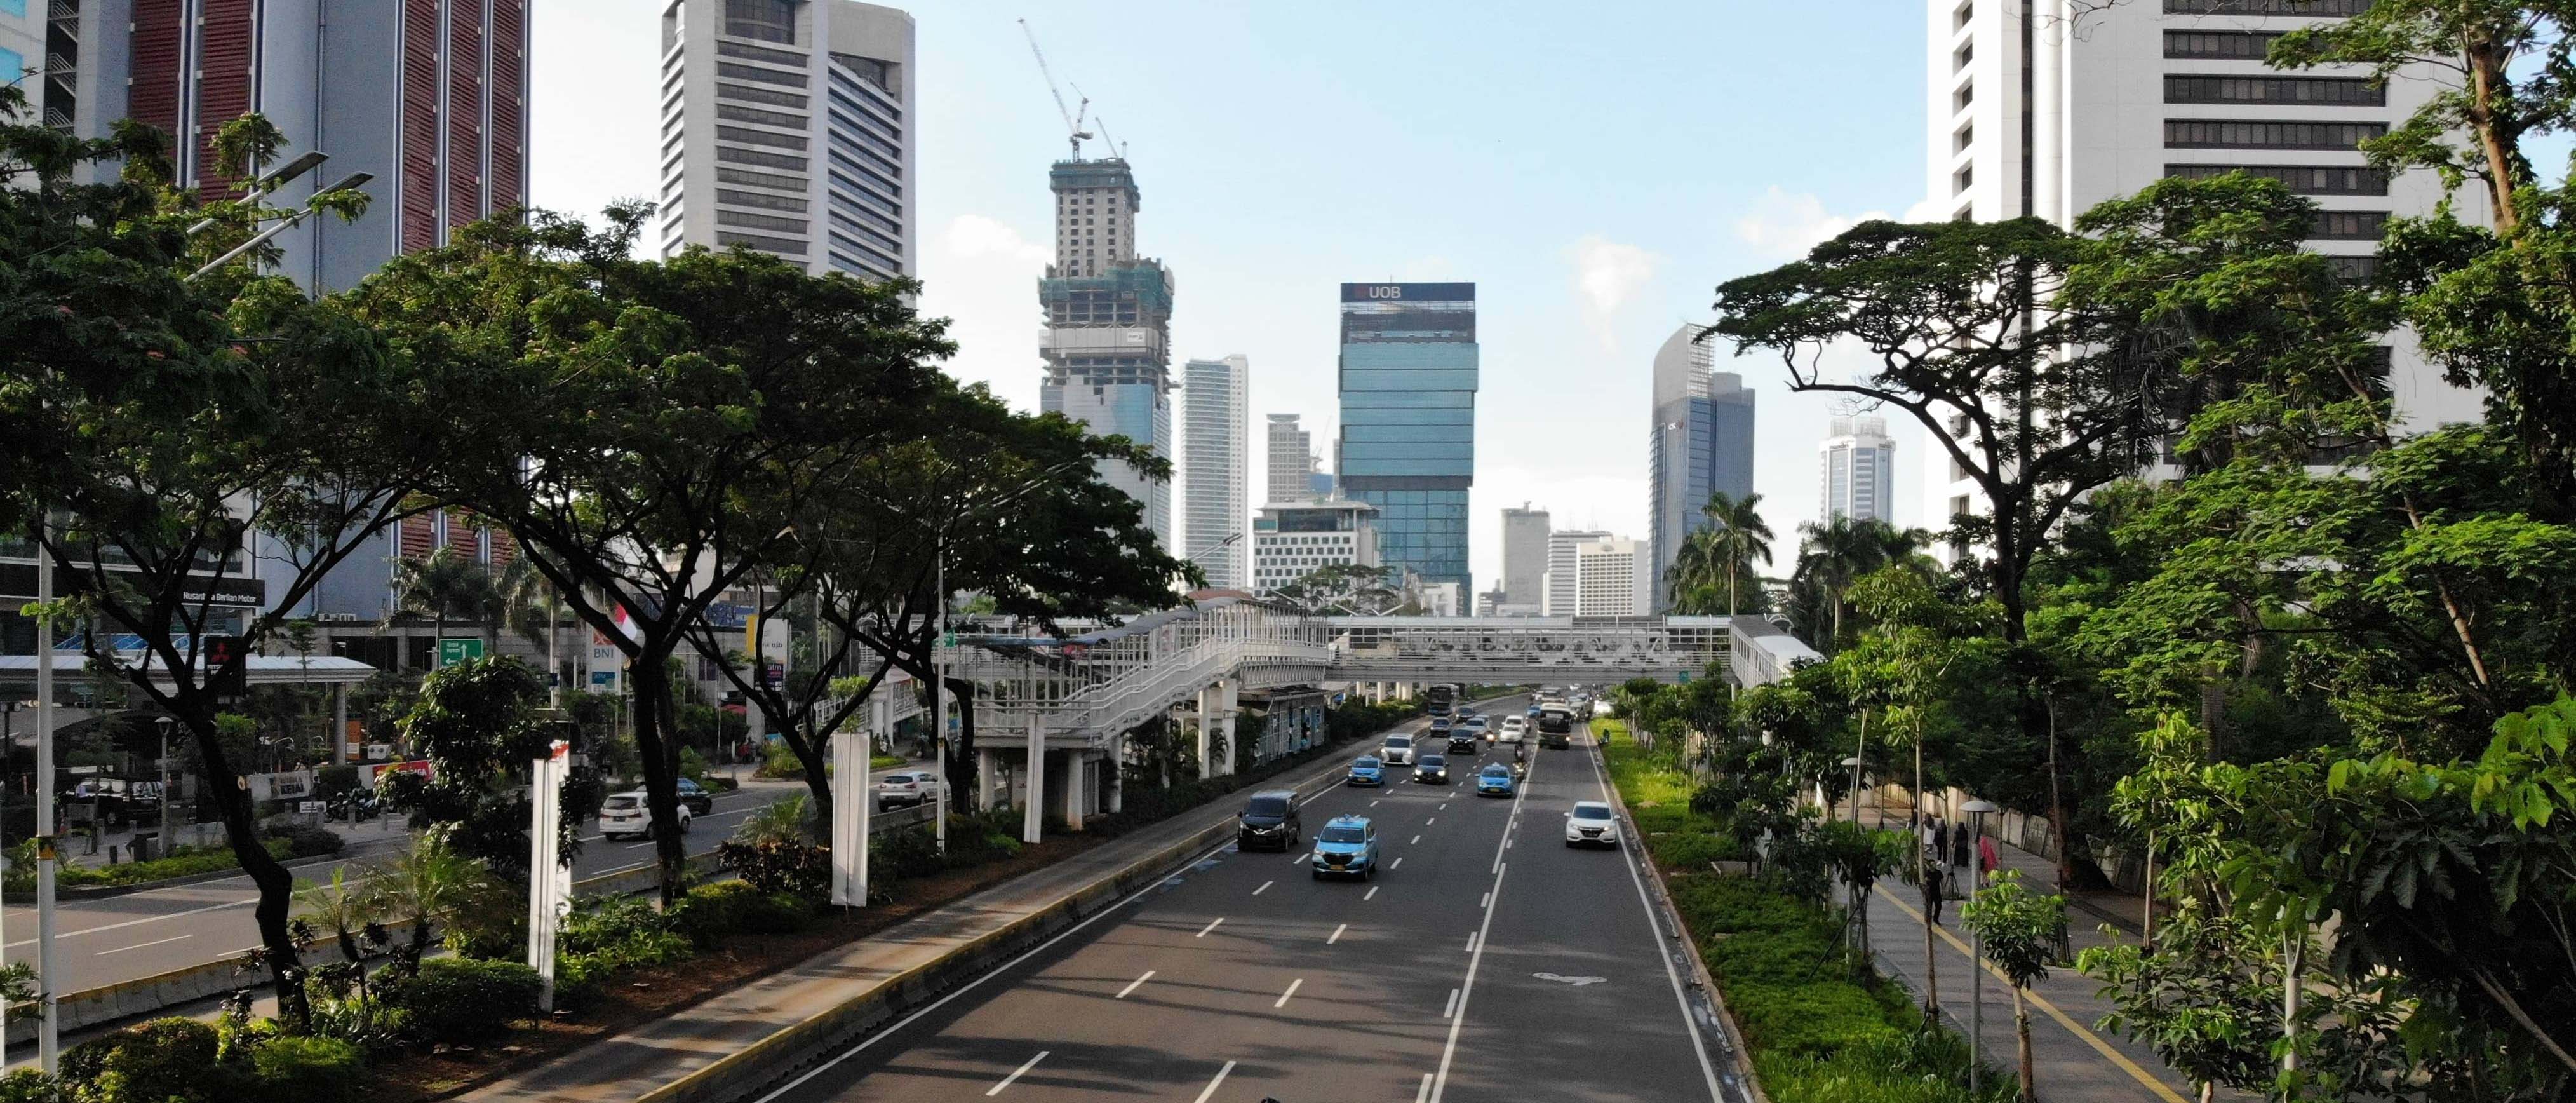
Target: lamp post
1976,810
1854,762
165,723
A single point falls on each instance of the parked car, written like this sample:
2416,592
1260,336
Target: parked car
1494,781
626,814
1591,824
1432,770
906,788
697,798
1347,847
1269,820
1368,770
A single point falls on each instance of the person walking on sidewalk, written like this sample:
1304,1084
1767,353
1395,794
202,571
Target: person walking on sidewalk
1933,897
1987,860
1959,852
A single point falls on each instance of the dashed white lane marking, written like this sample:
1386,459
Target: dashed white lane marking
1416,840
1486,901
1133,985
1210,1090
1203,931
1452,1008
1265,887
1372,804
1283,998
1337,934
1394,865
1430,821
1425,1093
1015,1074
1371,892
140,945
1471,942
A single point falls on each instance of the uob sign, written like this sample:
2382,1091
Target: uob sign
1386,291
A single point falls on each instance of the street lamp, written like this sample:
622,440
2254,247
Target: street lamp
287,222
1854,761
1977,811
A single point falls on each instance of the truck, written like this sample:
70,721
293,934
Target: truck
1439,698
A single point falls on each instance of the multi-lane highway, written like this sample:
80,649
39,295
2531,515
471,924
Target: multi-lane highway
104,940
1472,968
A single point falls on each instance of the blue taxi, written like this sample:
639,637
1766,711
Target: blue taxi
1494,781
1346,847
1369,770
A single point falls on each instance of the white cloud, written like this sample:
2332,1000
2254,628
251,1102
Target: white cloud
1607,276
981,274
1783,225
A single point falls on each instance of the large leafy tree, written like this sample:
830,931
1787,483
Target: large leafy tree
163,425
651,431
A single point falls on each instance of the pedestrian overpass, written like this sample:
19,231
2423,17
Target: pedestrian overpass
1052,714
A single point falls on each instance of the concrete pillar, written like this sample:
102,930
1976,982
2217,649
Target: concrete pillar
1229,697
983,779
1077,792
339,731
1207,726
1118,778
1033,815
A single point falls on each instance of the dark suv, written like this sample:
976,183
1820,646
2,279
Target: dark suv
1269,820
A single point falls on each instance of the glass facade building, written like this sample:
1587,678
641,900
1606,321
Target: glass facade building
1408,424
1700,442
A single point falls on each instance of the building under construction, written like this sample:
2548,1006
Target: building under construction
1109,324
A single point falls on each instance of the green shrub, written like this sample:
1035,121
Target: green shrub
310,842
155,1062
795,867
1690,850
1815,1018
32,1086
310,1070
710,912
464,1000
1712,905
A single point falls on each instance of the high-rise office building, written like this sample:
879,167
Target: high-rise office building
1291,452
1109,324
788,127
1860,469
22,52
1524,557
428,96
1700,443
1612,578
1291,540
1408,432
1557,592
1215,460
2045,108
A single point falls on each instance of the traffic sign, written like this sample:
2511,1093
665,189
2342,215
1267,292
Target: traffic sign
454,650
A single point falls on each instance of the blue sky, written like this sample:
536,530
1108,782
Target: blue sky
1595,170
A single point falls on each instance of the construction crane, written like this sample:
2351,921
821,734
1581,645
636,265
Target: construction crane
1116,149
1074,133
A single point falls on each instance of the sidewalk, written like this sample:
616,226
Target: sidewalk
628,1066
2072,1059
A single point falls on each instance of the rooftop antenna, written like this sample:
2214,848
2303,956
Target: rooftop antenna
1074,133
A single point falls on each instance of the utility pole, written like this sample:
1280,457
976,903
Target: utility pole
48,1041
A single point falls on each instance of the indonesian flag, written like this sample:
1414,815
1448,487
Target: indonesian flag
626,625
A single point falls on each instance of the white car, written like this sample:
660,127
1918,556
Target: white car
1591,824
1515,728
627,814
906,788
1398,750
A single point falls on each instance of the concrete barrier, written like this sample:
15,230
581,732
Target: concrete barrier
783,1054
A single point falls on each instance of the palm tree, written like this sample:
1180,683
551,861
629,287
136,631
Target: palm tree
1736,537
789,819
442,586
1834,552
344,908
434,879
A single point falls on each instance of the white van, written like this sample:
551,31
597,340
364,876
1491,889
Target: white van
1398,750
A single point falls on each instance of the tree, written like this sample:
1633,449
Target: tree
2020,930
650,430
478,724
164,427
1724,552
443,586
434,880
1347,590
1858,856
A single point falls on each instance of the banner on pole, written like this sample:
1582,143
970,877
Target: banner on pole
549,879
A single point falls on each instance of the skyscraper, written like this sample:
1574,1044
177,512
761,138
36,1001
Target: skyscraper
1292,462
2045,108
1524,557
1611,578
1558,592
1215,463
1408,433
1109,324
791,132
1700,443
430,96
1860,469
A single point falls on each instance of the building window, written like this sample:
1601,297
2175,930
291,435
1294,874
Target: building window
2324,91
761,179
1967,94
761,53
749,94
766,20
756,199
761,137
1963,178
1959,507
756,157
2266,7
1959,19
2354,269
756,73
1965,54
782,245
733,113
1966,137
2246,134
2219,45
2348,225
2303,179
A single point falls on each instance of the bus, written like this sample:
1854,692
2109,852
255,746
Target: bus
1555,725
1439,698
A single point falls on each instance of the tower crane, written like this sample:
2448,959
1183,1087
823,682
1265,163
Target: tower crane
1074,133
1116,149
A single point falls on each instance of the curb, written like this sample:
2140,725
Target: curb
797,1047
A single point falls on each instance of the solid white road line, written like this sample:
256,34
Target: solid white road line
1210,1090
1337,934
1265,887
244,903
1371,892
1283,997
1452,1008
1654,927
1015,1074
140,945
1203,931
1133,985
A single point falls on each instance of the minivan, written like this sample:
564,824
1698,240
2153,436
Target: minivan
1269,821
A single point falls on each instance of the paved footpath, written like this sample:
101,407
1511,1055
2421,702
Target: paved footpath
2072,1060
628,1065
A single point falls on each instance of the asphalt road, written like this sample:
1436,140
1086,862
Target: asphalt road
1470,969
104,940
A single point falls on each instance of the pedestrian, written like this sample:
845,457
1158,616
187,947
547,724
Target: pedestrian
1959,849
1987,860
1940,836
1933,897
